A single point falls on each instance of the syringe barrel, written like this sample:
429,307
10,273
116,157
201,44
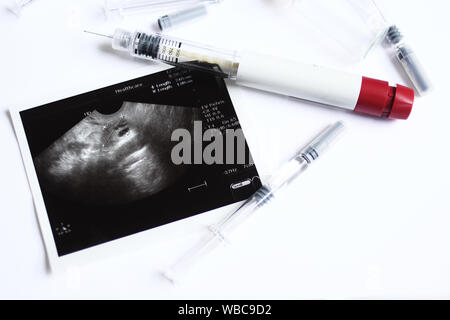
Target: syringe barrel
303,158
177,52
282,177
325,85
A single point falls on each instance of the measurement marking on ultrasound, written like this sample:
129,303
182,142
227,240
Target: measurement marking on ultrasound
200,185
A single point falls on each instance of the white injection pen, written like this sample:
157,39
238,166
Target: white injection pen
283,76
219,232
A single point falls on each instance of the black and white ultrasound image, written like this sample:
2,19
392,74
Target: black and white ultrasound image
103,158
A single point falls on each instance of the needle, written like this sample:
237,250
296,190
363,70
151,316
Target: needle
98,34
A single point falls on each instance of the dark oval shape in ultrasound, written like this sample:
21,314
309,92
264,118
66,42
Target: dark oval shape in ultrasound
115,158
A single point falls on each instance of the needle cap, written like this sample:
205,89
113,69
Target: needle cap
378,99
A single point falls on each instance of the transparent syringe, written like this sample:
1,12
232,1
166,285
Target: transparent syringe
217,234
274,74
123,8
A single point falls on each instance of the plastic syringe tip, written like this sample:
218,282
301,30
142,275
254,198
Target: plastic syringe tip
122,39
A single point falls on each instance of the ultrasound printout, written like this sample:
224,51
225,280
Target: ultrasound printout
107,162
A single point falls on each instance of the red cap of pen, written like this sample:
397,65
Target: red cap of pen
378,99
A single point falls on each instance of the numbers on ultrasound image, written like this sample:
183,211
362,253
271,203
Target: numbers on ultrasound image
231,123
181,77
214,118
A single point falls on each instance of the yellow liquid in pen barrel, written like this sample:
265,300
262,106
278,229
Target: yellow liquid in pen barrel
174,51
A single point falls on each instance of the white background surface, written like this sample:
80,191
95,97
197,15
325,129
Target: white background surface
370,220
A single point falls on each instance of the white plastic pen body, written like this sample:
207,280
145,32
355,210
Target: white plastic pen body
274,74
